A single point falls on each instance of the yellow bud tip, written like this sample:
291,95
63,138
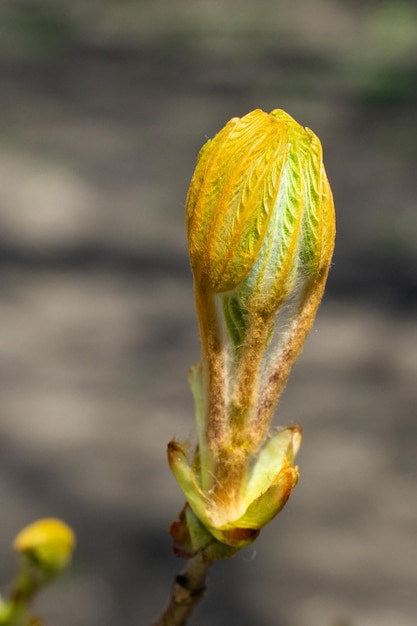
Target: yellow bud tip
48,542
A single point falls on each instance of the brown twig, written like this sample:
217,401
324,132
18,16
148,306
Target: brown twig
187,591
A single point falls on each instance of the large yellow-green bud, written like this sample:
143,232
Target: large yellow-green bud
260,223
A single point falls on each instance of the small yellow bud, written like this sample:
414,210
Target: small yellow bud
48,542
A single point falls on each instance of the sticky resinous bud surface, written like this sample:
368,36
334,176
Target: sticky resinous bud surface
260,223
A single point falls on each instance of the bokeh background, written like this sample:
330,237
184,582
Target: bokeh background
103,107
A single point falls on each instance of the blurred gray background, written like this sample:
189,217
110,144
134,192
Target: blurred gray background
103,108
